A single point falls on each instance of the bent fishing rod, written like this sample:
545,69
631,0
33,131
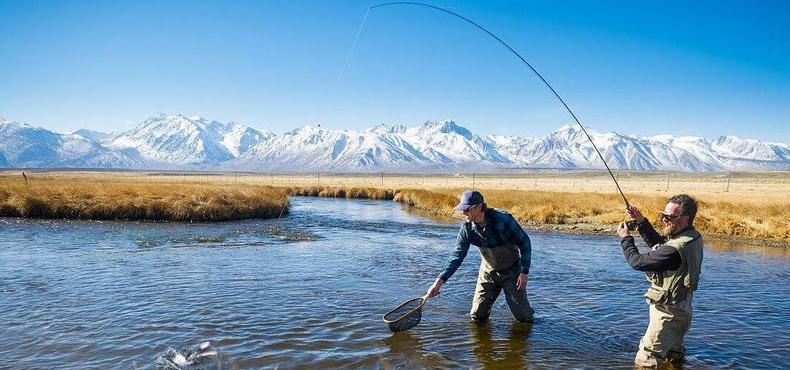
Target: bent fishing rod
514,53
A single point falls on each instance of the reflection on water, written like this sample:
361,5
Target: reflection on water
501,353
726,246
404,348
308,291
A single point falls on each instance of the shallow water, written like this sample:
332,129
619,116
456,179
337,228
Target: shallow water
308,291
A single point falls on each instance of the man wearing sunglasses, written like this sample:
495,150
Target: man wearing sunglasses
506,254
672,267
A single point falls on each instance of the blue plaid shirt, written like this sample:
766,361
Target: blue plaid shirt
501,229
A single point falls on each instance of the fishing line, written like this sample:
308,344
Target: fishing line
517,55
348,57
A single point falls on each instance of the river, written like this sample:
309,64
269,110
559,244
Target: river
309,290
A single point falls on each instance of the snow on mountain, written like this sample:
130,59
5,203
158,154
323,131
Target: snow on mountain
515,148
445,142
178,142
433,146
76,151
748,153
93,135
23,145
386,129
569,147
735,147
176,139
236,137
312,148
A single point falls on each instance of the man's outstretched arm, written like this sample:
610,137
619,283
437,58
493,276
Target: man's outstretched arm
461,249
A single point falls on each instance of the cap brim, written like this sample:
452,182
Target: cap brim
463,207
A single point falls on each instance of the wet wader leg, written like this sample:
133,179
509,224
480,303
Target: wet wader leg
486,294
683,314
663,339
517,299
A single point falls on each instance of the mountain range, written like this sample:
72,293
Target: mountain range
195,143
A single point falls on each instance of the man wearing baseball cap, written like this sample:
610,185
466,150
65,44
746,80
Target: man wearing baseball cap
506,255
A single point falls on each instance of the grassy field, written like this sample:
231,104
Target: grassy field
740,205
110,197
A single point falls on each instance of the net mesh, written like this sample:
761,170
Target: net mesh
405,316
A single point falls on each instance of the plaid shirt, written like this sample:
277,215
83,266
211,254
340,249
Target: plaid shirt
501,229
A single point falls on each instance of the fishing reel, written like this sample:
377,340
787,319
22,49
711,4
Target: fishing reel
632,225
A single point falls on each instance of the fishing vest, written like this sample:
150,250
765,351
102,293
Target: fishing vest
673,286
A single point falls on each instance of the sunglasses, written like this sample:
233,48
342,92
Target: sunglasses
666,217
470,208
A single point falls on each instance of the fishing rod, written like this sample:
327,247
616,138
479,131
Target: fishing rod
514,53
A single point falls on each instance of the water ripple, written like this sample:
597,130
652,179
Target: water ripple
308,291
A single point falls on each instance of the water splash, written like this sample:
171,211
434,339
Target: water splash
290,234
204,356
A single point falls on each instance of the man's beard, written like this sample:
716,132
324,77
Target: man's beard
669,229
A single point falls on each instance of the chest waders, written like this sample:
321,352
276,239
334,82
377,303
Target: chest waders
494,257
669,304
499,270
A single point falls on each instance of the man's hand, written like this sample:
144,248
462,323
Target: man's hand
635,214
521,283
622,230
435,288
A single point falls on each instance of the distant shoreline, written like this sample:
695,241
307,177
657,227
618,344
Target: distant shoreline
752,210
578,228
610,230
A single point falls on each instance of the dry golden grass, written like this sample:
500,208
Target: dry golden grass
718,218
743,205
760,187
88,198
715,217
342,192
752,206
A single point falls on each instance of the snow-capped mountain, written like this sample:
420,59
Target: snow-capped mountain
447,142
568,147
22,145
312,148
178,142
735,152
97,136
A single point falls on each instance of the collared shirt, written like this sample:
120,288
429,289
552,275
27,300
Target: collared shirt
500,230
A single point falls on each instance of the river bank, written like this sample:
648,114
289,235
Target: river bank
206,197
89,198
578,213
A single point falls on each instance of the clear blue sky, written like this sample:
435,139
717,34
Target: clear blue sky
709,68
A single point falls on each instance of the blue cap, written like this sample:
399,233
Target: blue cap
468,199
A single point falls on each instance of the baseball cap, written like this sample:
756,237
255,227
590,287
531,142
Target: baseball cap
468,199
